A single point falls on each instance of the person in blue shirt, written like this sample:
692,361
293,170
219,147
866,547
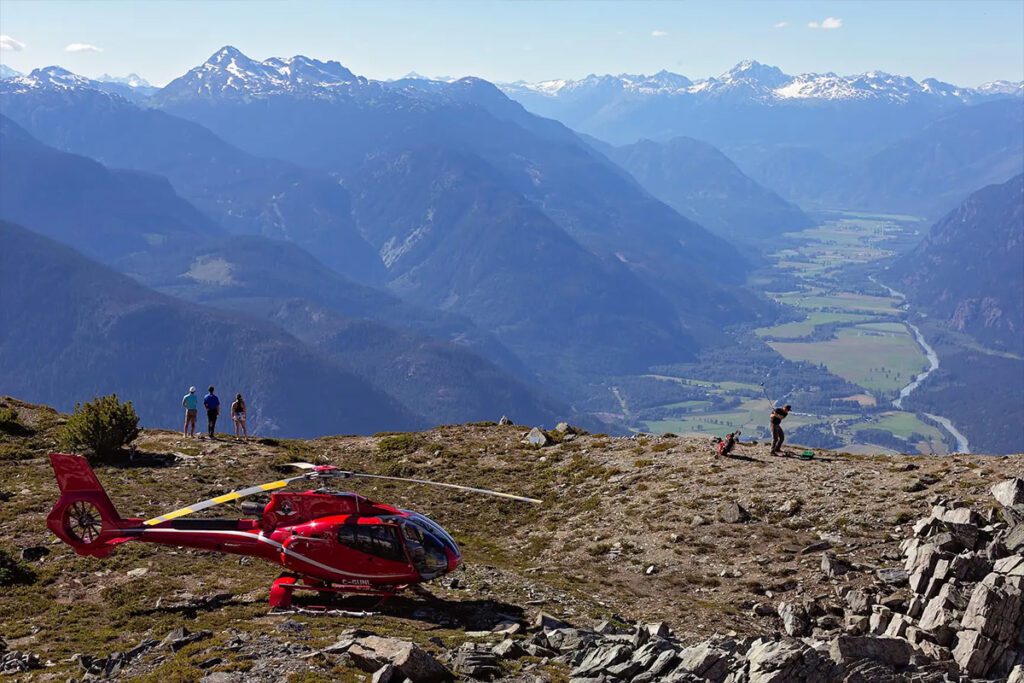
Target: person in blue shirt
191,405
212,405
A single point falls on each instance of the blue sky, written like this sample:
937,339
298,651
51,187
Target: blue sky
965,43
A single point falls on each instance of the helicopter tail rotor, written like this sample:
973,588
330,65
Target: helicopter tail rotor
84,516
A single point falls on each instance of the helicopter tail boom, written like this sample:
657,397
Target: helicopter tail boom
84,517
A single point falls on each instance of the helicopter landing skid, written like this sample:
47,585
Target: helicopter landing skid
281,591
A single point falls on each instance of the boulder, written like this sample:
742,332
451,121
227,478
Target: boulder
505,422
856,624
1013,539
1009,492
476,661
386,674
708,660
371,653
893,577
894,652
976,654
733,513
859,601
794,619
180,637
782,661
658,629
509,649
570,639
599,659
661,665
816,547
995,610
880,617
546,622
537,437
832,566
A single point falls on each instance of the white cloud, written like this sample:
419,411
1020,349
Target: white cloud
659,34
82,47
8,44
780,24
827,24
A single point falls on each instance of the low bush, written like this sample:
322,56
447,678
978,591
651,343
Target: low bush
104,426
399,444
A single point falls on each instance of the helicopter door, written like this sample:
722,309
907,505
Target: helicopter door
377,548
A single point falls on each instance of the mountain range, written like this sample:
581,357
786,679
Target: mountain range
493,150
576,290
750,80
441,247
820,140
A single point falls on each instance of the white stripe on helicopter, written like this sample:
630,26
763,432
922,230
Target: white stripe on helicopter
268,541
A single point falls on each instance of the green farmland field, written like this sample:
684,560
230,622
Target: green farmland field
881,362
804,328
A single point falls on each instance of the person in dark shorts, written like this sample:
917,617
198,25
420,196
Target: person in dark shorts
778,436
212,405
191,405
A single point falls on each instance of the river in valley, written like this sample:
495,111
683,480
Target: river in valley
962,446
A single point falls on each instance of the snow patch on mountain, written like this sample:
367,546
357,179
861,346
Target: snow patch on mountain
132,80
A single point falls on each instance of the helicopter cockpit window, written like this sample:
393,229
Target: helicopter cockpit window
426,551
377,540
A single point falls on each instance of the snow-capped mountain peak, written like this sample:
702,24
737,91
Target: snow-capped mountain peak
230,73
132,80
52,77
8,72
755,72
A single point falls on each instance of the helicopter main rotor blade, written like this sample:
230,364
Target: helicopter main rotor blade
333,471
458,487
226,498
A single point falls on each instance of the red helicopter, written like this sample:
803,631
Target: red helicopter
329,542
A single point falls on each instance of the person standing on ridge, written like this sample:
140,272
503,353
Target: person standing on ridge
238,416
191,405
212,405
778,436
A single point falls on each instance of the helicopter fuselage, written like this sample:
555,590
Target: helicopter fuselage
329,541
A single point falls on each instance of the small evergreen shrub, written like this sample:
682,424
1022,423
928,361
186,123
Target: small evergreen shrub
103,425
399,444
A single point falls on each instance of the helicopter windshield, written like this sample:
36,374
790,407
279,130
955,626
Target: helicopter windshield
427,543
